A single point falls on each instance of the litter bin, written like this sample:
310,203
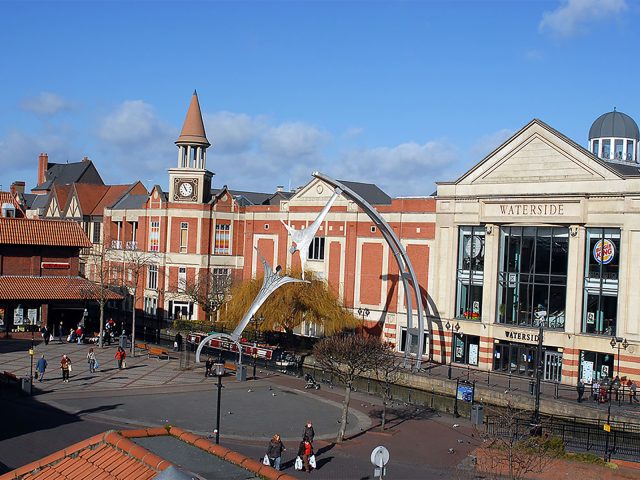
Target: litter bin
477,414
25,385
241,372
532,388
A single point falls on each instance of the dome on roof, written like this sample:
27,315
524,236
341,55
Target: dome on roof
614,125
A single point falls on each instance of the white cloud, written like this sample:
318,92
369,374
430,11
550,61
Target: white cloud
568,19
232,132
488,143
46,104
291,140
133,122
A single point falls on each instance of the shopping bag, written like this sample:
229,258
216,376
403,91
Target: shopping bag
312,461
265,460
124,364
36,374
97,364
70,369
298,464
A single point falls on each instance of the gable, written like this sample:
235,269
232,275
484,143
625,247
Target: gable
73,210
53,210
537,154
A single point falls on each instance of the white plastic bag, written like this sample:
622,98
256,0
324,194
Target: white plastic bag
298,464
312,461
265,460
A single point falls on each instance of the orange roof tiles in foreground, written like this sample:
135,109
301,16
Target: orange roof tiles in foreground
56,233
112,455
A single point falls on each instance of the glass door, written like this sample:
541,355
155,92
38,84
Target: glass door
553,366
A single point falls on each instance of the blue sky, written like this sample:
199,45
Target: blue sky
401,94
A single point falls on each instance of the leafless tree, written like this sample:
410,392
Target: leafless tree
347,357
388,368
510,449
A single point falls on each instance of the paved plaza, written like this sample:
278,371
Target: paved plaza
152,392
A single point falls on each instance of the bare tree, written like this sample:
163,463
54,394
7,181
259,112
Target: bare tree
388,367
510,449
98,271
347,357
135,262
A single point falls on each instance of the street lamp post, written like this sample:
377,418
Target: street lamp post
364,313
255,341
620,343
455,327
536,411
218,370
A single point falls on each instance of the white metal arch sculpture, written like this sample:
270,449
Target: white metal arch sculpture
270,283
407,274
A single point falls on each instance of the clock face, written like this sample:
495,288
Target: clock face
186,189
473,246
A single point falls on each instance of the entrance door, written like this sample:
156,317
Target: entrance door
553,366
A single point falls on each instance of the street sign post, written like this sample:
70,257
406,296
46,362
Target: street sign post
379,458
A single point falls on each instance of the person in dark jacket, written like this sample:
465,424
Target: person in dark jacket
305,450
308,433
580,389
41,366
274,451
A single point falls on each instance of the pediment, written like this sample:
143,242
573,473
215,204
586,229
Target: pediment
537,154
316,191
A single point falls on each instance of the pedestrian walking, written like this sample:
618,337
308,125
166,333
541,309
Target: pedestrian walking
580,389
615,386
122,342
305,452
60,327
121,355
65,366
177,342
208,366
45,334
41,366
595,390
308,433
91,360
79,334
274,451
633,392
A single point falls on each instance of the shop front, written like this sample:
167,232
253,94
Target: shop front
520,359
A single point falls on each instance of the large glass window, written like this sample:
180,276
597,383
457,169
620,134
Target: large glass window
96,232
184,230
413,348
601,281
596,147
470,272
154,237
532,276
606,149
630,156
466,348
152,278
618,146
595,366
221,240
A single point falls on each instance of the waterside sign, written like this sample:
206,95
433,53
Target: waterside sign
527,211
521,336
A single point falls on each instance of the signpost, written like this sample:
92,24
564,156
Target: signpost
379,458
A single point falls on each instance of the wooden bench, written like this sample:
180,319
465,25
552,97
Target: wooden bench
157,352
10,376
230,366
141,346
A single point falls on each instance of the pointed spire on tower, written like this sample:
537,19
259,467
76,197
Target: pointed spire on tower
193,129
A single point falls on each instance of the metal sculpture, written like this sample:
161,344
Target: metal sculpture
270,283
407,273
304,236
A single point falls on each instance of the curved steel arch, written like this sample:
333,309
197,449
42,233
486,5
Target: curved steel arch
407,273
224,336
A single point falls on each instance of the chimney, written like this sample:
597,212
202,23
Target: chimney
85,159
280,188
17,187
43,166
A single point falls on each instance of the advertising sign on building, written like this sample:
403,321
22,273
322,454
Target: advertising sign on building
473,354
587,371
604,251
32,315
465,392
18,316
1,317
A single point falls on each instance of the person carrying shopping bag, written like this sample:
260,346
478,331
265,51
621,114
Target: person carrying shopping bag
120,357
91,360
274,452
305,452
65,366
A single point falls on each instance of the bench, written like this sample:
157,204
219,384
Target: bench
10,376
230,366
157,352
141,346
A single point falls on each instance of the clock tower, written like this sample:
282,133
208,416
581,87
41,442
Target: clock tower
191,181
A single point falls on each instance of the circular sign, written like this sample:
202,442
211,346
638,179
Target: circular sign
473,246
604,251
380,456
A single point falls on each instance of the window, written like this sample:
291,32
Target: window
150,305
619,144
601,281
184,229
630,156
532,276
606,149
221,240
413,348
596,147
466,348
470,272
316,249
152,277
96,232
182,279
154,237
595,366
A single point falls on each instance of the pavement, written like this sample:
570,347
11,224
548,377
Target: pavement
153,392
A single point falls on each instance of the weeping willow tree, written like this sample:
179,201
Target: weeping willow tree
290,305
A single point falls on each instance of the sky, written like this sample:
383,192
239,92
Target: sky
398,93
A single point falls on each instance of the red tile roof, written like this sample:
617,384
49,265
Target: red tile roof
112,455
51,288
27,231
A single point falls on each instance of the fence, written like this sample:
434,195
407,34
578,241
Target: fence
582,435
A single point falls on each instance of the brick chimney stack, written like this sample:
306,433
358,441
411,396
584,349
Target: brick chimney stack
43,166
17,187
85,159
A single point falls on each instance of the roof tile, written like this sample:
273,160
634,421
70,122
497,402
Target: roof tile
27,231
51,288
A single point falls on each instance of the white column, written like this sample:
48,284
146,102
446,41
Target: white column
179,156
188,165
204,158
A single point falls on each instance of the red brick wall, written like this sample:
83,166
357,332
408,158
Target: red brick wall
370,273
